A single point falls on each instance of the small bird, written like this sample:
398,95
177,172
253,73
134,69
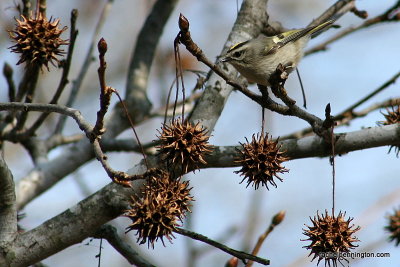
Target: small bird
258,58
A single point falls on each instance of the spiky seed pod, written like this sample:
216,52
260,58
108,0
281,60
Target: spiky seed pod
184,144
38,40
392,117
164,202
261,161
177,191
394,227
330,236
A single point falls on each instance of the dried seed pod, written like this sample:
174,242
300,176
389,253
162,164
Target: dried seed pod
330,236
184,144
261,161
392,117
38,40
394,227
157,213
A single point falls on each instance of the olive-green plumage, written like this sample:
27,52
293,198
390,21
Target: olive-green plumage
258,58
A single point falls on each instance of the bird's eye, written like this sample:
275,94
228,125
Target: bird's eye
237,54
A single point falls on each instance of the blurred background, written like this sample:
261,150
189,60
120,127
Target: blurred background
367,182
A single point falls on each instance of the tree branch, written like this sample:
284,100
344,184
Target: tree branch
64,75
76,85
82,220
110,233
239,254
26,107
72,157
387,16
8,209
70,227
349,113
250,21
141,61
315,146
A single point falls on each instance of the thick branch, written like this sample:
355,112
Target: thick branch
81,221
315,146
251,19
349,113
8,208
70,227
141,62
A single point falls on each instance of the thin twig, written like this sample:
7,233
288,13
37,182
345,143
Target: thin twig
338,9
26,7
167,104
193,48
277,219
165,111
177,73
302,88
348,111
105,91
264,100
76,85
329,123
8,72
39,179
60,140
120,145
27,88
64,76
348,114
99,255
73,113
390,15
239,254
133,128
42,7
118,177
224,237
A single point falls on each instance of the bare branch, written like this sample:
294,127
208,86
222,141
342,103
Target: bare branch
277,219
337,10
42,178
349,113
8,72
59,140
250,20
239,254
110,233
387,16
86,63
315,146
81,221
8,208
26,107
136,98
64,75
105,91
69,227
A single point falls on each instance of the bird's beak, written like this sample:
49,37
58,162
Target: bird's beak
224,59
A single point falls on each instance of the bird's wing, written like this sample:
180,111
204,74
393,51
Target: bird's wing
291,36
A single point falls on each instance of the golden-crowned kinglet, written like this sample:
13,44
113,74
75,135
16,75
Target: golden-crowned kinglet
258,58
